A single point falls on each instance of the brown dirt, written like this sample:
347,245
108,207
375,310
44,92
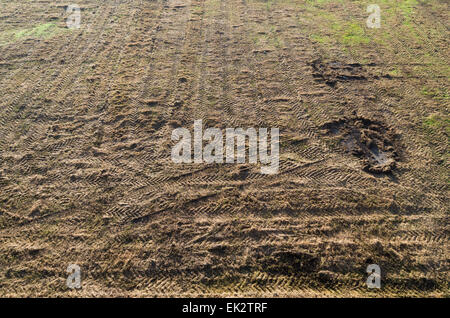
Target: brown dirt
86,177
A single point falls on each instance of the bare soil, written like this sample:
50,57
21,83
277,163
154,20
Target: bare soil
86,177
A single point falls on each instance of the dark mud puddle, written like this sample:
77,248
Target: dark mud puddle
371,141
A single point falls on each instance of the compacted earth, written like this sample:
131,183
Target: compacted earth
86,175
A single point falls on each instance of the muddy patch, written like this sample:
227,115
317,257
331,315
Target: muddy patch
289,263
371,141
331,73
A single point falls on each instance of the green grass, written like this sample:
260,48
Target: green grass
333,29
41,31
407,9
435,93
353,34
436,122
319,38
405,31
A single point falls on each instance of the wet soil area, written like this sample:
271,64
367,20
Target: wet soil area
371,141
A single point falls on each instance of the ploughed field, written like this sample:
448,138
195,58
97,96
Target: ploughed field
86,175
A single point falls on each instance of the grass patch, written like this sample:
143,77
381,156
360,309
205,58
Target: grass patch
436,122
318,38
41,31
354,34
435,93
